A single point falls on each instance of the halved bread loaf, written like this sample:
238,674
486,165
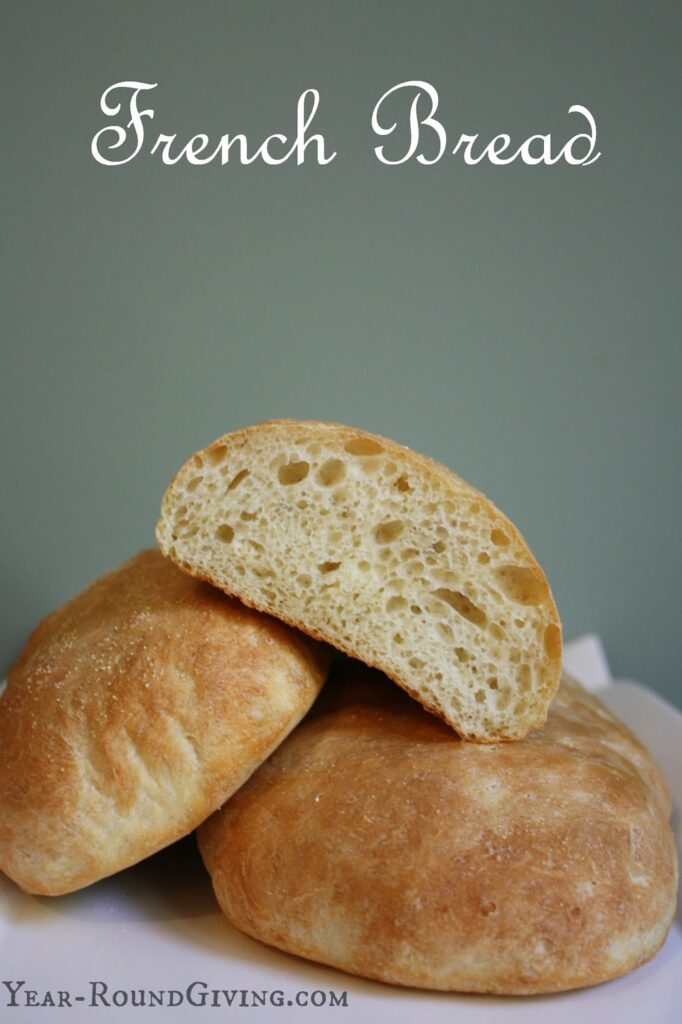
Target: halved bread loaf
375,841
383,553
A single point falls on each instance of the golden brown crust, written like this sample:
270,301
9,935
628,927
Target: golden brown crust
548,665
133,712
375,841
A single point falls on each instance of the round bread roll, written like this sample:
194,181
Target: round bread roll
375,841
134,711
381,552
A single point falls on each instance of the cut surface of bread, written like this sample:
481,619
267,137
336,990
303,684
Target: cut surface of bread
374,840
134,711
383,553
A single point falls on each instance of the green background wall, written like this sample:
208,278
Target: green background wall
518,323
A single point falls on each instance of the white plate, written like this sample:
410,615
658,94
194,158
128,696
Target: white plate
157,927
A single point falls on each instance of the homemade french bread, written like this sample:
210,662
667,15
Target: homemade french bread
383,553
376,841
134,712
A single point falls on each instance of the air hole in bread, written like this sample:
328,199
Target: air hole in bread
394,603
524,678
487,907
364,566
216,455
552,641
492,683
398,638
385,533
248,517
462,605
499,538
225,533
521,584
236,480
439,547
462,655
480,696
194,483
415,609
402,484
293,472
331,472
187,530
484,557
325,567
363,446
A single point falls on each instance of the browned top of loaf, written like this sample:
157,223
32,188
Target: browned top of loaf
376,841
133,712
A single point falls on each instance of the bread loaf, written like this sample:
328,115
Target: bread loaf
375,841
133,713
384,554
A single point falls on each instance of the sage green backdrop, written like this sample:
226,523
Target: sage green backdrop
518,323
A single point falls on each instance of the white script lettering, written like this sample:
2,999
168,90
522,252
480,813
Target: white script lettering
424,126
120,133
195,150
424,137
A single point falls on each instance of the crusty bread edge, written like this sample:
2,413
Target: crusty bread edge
519,991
